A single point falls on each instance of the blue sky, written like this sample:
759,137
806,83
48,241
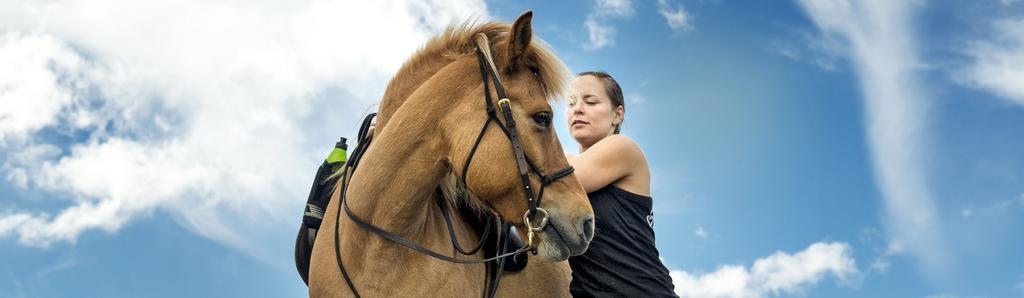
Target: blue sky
798,148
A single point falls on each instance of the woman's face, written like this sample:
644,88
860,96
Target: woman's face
590,113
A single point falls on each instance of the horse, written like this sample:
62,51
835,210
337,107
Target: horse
427,133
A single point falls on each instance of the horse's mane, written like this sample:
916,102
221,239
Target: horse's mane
458,40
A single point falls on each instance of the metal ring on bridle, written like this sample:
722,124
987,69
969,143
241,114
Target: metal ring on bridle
543,220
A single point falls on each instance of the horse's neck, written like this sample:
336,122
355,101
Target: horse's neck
396,176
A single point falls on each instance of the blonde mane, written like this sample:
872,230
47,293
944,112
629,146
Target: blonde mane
458,40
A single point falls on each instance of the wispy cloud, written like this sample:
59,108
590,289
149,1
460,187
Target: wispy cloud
819,50
1020,286
700,232
883,52
779,273
882,262
636,99
993,208
883,248
601,34
998,63
211,112
614,8
675,15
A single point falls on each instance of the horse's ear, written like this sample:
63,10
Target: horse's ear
519,38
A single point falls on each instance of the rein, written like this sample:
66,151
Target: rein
493,278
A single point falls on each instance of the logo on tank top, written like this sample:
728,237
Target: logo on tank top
650,219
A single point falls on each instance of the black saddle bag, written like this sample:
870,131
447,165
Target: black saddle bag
319,197
316,203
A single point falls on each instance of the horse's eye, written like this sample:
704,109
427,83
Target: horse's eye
534,71
543,119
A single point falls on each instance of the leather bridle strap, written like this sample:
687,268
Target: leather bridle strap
446,212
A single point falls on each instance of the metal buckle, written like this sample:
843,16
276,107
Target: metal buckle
504,100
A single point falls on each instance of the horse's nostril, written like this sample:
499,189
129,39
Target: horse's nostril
588,229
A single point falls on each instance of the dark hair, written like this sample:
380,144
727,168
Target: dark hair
611,88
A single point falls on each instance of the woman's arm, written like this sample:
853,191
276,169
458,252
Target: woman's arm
607,161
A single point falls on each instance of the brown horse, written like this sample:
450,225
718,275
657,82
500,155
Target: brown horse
429,120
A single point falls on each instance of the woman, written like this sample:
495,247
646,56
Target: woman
622,260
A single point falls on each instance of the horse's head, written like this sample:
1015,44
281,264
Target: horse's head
531,75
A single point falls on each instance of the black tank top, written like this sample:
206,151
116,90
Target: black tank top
622,260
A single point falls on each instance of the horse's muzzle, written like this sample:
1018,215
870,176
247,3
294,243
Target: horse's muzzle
564,240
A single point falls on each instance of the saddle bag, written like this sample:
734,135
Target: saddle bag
320,195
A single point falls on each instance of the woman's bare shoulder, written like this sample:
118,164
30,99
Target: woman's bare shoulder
628,152
620,146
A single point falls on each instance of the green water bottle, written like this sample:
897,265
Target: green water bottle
338,156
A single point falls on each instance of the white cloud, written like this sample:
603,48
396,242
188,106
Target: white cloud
614,8
33,68
995,208
214,112
883,249
28,157
600,33
775,274
998,63
700,232
636,99
821,51
881,265
883,52
677,17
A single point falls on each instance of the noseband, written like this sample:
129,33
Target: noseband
487,71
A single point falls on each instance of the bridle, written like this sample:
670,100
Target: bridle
487,71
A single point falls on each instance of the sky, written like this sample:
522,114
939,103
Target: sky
806,148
